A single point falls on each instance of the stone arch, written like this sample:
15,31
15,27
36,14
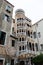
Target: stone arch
22,63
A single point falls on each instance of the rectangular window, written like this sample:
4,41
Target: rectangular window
33,47
6,18
30,47
12,62
23,48
8,9
41,47
2,37
13,43
12,30
36,45
28,33
27,45
19,48
19,39
17,31
34,34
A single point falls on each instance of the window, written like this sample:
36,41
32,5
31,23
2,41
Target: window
7,18
34,34
20,19
28,19
12,61
17,31
33,47
30,47
31,36
28,33
27,45
23,48
22,39
13,43
39,35
19,48
41,47
28,25
12,29
8,9
36,46
2,37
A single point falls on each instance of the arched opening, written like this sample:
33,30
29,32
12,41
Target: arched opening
22,63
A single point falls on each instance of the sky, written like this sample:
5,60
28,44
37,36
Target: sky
33,8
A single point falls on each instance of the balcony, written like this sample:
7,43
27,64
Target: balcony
21,33
21,27
18,21
25,52
22,52
23,42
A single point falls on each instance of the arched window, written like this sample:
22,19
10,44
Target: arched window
19,39
33,46
23,48
19,48
12,29
36,45
28,33
22,39
30,47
